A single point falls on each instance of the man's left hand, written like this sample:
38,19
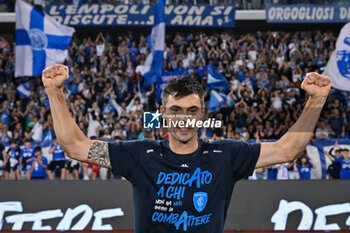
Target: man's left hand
316,85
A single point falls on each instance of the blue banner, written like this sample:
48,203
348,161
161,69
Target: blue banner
307,13
142,15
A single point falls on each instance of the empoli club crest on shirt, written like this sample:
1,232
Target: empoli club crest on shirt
200,200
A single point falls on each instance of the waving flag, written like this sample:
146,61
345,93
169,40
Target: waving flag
40,40
23,90
216,101
215,79
338,66
153,66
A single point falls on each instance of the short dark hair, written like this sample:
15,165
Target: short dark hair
219,132
37,148
14,141
181,87
346,149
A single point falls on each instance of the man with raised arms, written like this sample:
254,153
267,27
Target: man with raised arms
183,183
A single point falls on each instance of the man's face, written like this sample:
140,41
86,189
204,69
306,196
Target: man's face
346,154
186,108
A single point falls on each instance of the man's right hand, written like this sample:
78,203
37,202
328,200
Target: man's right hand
55,76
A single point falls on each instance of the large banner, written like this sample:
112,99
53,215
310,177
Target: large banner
307,13
108,205
142,15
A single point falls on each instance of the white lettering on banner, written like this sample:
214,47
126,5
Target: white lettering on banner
108,213
13,206
88,9
19,219
195,10
301,13
105,8
67,19
121,14
65,223
53,11
121,9
72,9
344,13
323,212
59,19
280,217
180,10
218,10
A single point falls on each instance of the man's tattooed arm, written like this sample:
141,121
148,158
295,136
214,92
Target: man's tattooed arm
98,154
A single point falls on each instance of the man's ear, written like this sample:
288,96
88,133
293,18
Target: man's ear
162,110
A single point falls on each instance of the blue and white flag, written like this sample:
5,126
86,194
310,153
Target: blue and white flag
216,100
40,40
153,66
24,90
215,79
338,66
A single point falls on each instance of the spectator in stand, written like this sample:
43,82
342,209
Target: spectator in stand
37,131
39,165
58,161
26,157
344,162
12,161
272,172
72,169
5,134
303,165
323,131
282,171
292,174
333,170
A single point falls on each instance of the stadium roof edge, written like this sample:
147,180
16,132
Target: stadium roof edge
10,17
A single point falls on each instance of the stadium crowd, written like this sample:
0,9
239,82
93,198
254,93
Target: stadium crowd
106,97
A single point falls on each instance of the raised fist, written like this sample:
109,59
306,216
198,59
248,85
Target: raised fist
55,76
316,85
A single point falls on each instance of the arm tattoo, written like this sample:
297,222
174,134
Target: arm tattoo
98,154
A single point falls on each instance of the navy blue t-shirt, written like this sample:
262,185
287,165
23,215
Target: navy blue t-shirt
182,193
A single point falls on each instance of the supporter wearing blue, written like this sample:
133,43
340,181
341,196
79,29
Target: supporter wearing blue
39,165
197,174
58,160
344,162
272,172
12,164
26,156
304,166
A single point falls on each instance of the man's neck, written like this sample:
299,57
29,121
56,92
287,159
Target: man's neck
183,148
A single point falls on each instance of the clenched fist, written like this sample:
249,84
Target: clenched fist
55,76
316,85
